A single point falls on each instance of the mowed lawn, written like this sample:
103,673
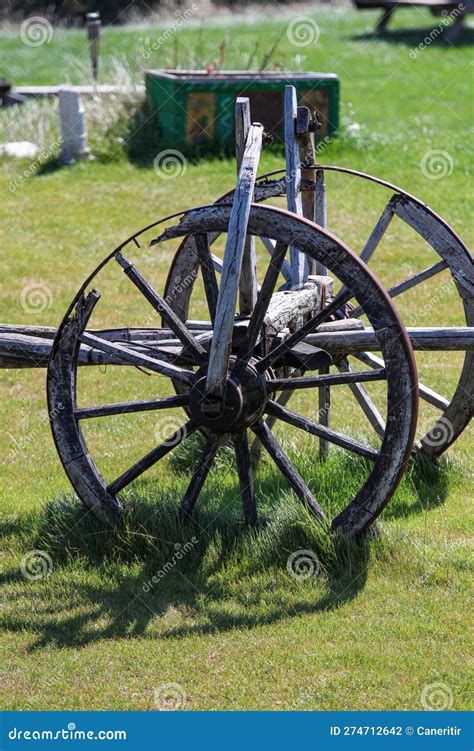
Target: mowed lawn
228,627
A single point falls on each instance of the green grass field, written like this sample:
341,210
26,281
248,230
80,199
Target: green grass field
381,620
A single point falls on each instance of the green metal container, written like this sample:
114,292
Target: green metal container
195,108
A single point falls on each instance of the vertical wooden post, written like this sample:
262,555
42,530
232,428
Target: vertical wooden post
248,274
324,411
299,266
94,23
313,205
320,210
306,153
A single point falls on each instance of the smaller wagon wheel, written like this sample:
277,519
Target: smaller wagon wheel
455,413
257,372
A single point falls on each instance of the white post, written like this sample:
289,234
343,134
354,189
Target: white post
73,126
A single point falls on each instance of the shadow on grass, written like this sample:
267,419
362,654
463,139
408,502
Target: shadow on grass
216,575
418,36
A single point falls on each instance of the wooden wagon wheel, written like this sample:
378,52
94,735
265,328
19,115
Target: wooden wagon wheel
180,353
456,412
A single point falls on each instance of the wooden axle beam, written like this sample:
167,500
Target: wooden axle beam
22,350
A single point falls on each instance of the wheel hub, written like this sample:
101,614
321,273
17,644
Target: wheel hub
243,403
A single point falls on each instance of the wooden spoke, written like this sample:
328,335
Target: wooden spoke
264,296
375,237
242,455
120,408
298,421
364,400
285,267
427,394
211,288
197,481
283,398
413,281
378,232
152,457
144,361
294,479
234,250
330,379
309,326
161,306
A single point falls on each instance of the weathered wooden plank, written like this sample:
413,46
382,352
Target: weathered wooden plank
236,234
21,351
295,481
152,457
248,272
320,213
298,421
298,262
324,395
439,339
306,154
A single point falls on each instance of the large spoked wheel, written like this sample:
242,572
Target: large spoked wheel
447,273
264,362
